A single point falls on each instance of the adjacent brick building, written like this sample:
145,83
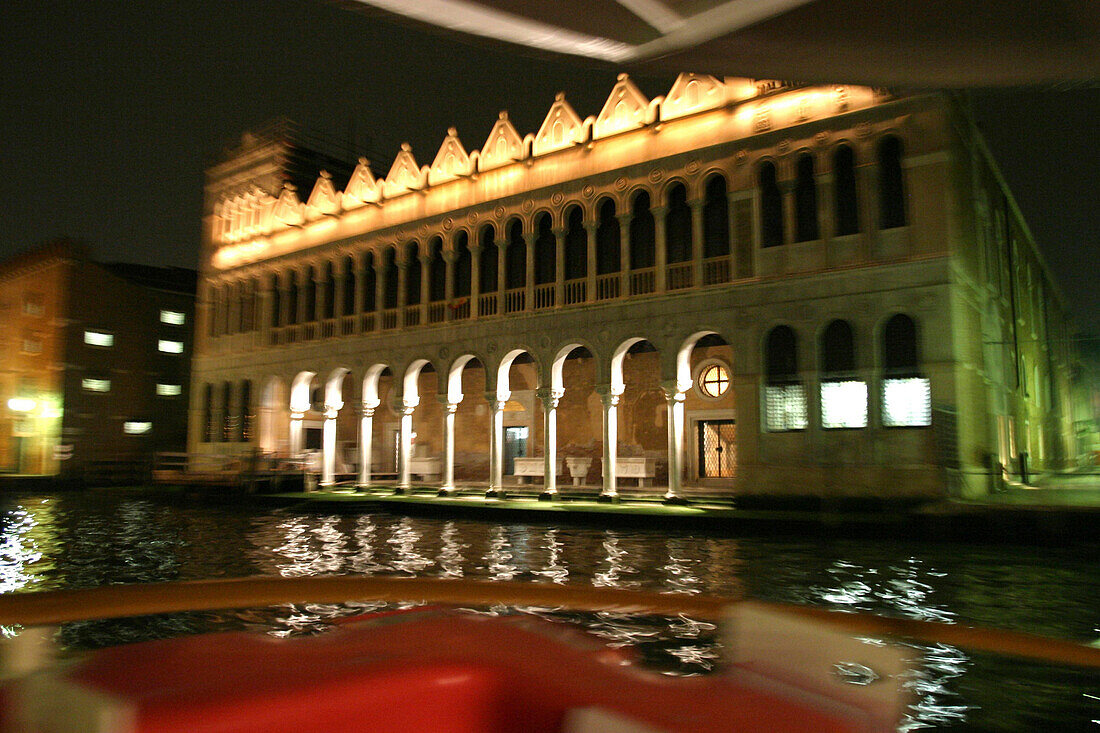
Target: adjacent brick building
95,362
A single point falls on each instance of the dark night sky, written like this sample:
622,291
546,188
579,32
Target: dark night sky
112,109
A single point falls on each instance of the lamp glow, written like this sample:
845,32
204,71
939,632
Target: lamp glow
21,404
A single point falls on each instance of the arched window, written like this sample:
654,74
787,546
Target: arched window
891,184
608,241
545,251
389,278
292,297
370,283
843,395
208,414
349,286
678,225
844,191
462,265
489,258
244,309
248,412
276,302
576,245
309,296
771,206
412,273
805,200
229,420
784,398
642,233
437,271
906,394
329,303
515,257
716,219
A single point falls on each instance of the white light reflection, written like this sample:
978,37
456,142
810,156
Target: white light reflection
451,558
900,590
555,570
614,566
404,541
499,558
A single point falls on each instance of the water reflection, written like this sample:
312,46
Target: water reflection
99,538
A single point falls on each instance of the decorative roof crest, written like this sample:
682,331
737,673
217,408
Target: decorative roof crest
692,93
625,109
451,161
503,146
362,188
562,128
404,175
288,209
324,199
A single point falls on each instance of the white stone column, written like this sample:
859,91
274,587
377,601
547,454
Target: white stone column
590,228
549,399
449,409
625,221
559,266
696,242
328,447
366,435
674,400
529,271
404,483
496,446
296,432
610,399
660,247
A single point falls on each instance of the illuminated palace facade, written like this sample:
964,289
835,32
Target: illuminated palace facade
741,287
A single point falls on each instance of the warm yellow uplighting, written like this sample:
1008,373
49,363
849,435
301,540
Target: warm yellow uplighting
21,404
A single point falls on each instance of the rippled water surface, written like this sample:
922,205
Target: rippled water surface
97,538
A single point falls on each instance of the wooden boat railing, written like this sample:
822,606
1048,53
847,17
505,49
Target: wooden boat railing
115,601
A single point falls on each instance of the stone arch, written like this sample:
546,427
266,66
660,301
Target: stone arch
682,355
503,387
557,363
300,391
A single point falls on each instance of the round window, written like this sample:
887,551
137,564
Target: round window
714,380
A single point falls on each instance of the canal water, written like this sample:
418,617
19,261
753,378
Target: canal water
101,537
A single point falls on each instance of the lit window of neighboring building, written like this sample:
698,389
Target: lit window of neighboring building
170,347
32,344
32,304
714,380
168,390
906,393
99,338
136,427
92,384
172,318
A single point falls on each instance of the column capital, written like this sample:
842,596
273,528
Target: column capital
658,212
549,397
609,394
297,414
558,231
331,411
497,401
674,390
696,204
449,406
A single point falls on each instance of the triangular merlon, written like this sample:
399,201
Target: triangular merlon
452,160
362,187
692,93
503,146
324,199
562,128
288,209
626,109
404,175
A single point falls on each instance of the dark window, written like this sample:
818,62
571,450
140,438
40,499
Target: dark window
329,295
208,414
576,245
489,260
389,278
370,284
229,421
781,360
844,185
716,219
805,200
838,353
462,265
292,296
515,257
309,296
349,286
545,251
276,298
437,271
899,347
608,240
642,234
771,207
891,184
247,412
678,225
412,273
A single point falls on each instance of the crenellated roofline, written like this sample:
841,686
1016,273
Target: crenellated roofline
246,226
